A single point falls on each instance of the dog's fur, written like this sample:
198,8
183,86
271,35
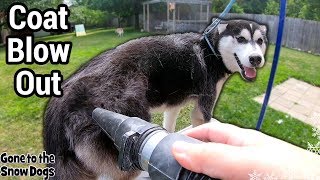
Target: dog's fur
119,31
135,78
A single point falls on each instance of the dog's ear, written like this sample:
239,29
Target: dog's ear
263,29
222,27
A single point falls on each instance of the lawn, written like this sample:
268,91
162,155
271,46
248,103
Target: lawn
21,118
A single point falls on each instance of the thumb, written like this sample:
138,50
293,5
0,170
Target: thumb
213,159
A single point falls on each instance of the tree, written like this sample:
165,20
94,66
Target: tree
310,10
219,5
272,7
89,17
294,7
137,9
241,6
40,4
306,9
119,8
44,4
237,9
253,6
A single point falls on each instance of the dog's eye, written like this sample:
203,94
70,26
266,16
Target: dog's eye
260,41
241,39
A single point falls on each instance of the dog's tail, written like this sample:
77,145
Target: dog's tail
69,168
66,165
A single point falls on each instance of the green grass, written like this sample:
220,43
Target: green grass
21,118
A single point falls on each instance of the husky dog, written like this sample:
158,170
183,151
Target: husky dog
150,73
119,31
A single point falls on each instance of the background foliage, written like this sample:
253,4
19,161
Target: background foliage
305,9
97,13
89,17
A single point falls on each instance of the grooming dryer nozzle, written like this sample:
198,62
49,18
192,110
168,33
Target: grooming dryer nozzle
108,121
144,146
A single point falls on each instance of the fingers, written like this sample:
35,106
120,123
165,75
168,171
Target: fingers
213,159
221,133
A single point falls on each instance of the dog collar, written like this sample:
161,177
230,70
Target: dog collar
212,26
210,45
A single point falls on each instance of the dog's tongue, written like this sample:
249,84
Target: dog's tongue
250,72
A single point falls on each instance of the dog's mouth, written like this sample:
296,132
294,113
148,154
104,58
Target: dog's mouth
248,73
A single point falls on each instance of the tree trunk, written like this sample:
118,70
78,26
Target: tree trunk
136,21
136,10
119,22
4,34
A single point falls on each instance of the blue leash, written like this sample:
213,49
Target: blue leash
215,23
282,18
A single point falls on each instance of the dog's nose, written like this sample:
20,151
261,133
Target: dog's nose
255,60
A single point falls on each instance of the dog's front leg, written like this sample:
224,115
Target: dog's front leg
170,118
202,111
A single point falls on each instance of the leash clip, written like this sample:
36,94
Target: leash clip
213,25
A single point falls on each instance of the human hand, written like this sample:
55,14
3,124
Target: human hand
230,152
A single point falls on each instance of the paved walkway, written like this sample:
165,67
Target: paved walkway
297,99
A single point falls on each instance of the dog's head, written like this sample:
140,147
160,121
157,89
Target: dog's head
242,46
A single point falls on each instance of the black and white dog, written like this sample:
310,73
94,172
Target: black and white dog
150,73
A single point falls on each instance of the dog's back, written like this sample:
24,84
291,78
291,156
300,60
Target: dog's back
125,80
